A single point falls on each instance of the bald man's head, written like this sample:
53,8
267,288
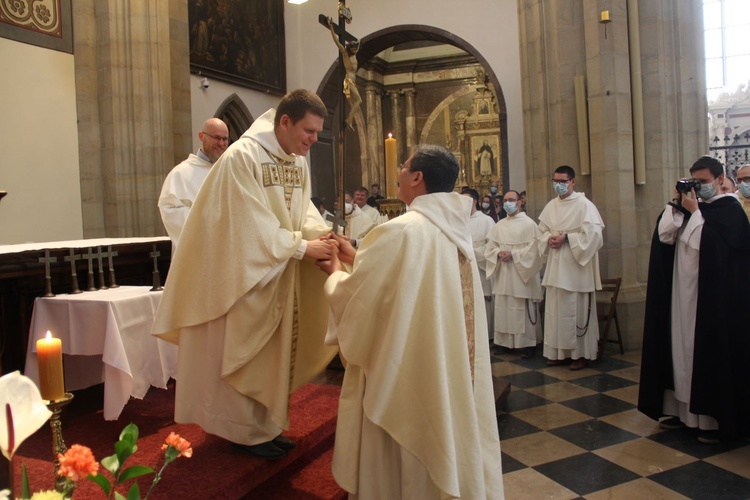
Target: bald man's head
214,137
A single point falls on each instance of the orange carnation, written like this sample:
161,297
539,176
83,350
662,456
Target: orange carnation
180,444
78,462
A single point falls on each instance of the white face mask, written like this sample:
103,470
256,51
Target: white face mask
485,206
348,208
560,187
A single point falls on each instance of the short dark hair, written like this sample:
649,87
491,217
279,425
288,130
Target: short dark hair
297,103
438,166
564,169
316,201
362,188
375,184
709,162
471,192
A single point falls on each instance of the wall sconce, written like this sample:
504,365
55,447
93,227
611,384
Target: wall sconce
605,20
204,83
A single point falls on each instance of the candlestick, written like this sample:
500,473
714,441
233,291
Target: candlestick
49,357
605,17
391,168
58,445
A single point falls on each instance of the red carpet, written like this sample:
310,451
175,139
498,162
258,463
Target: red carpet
216,470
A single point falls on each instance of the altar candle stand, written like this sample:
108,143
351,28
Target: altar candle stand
391,170
52,388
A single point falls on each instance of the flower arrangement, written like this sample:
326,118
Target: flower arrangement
19,395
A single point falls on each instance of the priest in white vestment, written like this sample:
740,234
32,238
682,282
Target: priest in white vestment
238,284
514,262
182,184
571,237
416,414
480,225
358,224
360,199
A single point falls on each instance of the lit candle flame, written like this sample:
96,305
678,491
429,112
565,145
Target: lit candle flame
390,136
48,336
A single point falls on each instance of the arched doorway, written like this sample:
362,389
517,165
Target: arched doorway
428,85
236,115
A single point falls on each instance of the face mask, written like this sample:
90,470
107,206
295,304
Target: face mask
744,188
560,188
707,191
348,208
510,207
487,205
493,190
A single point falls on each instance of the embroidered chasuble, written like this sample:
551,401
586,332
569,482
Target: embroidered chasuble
234,289
416,413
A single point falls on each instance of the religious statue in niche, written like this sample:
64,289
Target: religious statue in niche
349,58
485,150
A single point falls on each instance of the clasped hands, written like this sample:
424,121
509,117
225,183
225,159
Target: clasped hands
556,241
330,251
505,256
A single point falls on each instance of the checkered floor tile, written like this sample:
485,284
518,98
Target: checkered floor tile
577,434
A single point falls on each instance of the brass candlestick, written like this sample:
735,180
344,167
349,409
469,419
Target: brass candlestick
58,445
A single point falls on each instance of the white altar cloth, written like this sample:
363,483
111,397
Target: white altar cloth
106,337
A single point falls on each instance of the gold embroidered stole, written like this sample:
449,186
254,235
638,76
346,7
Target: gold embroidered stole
467,293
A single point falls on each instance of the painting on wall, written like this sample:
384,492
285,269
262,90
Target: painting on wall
485,151
44,23
239,42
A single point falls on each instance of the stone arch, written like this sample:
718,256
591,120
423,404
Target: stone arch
324,154
236,115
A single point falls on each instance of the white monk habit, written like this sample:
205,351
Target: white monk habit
516,284
358,224
416,414
571,278
179,191
479,226
686,238
233,287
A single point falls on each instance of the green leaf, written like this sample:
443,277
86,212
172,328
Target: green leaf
129,433
25,491
111,463
119,496
124,449
101,481
134,493
135,471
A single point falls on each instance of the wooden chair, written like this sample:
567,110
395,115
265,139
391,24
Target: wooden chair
610,285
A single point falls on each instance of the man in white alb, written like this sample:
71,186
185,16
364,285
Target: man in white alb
244,304
182,184
416,415
513,261
571,237
357,223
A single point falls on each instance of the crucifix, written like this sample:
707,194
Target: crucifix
348,47
99,255
72,258
110,255
91,287
47,275
156,278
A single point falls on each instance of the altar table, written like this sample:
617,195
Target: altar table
106,337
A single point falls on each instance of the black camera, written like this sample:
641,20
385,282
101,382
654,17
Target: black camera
687,185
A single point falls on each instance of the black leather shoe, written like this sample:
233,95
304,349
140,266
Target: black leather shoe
284,443
266,451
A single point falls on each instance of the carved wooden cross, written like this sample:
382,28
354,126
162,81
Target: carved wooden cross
345,16
72,258
155,274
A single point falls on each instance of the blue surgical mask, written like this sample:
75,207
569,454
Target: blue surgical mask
560,188
707,191
493,190
744,189
510,207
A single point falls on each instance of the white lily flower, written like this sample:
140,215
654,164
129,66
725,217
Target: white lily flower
27,406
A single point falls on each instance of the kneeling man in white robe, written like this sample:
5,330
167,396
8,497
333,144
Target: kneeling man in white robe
416,415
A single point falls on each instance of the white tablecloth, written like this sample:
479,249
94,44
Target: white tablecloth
106,337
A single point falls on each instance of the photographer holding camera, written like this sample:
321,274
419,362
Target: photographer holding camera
695,337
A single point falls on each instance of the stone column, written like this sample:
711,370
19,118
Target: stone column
563,38
124,81
410,119
379,137
371,97
398,124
